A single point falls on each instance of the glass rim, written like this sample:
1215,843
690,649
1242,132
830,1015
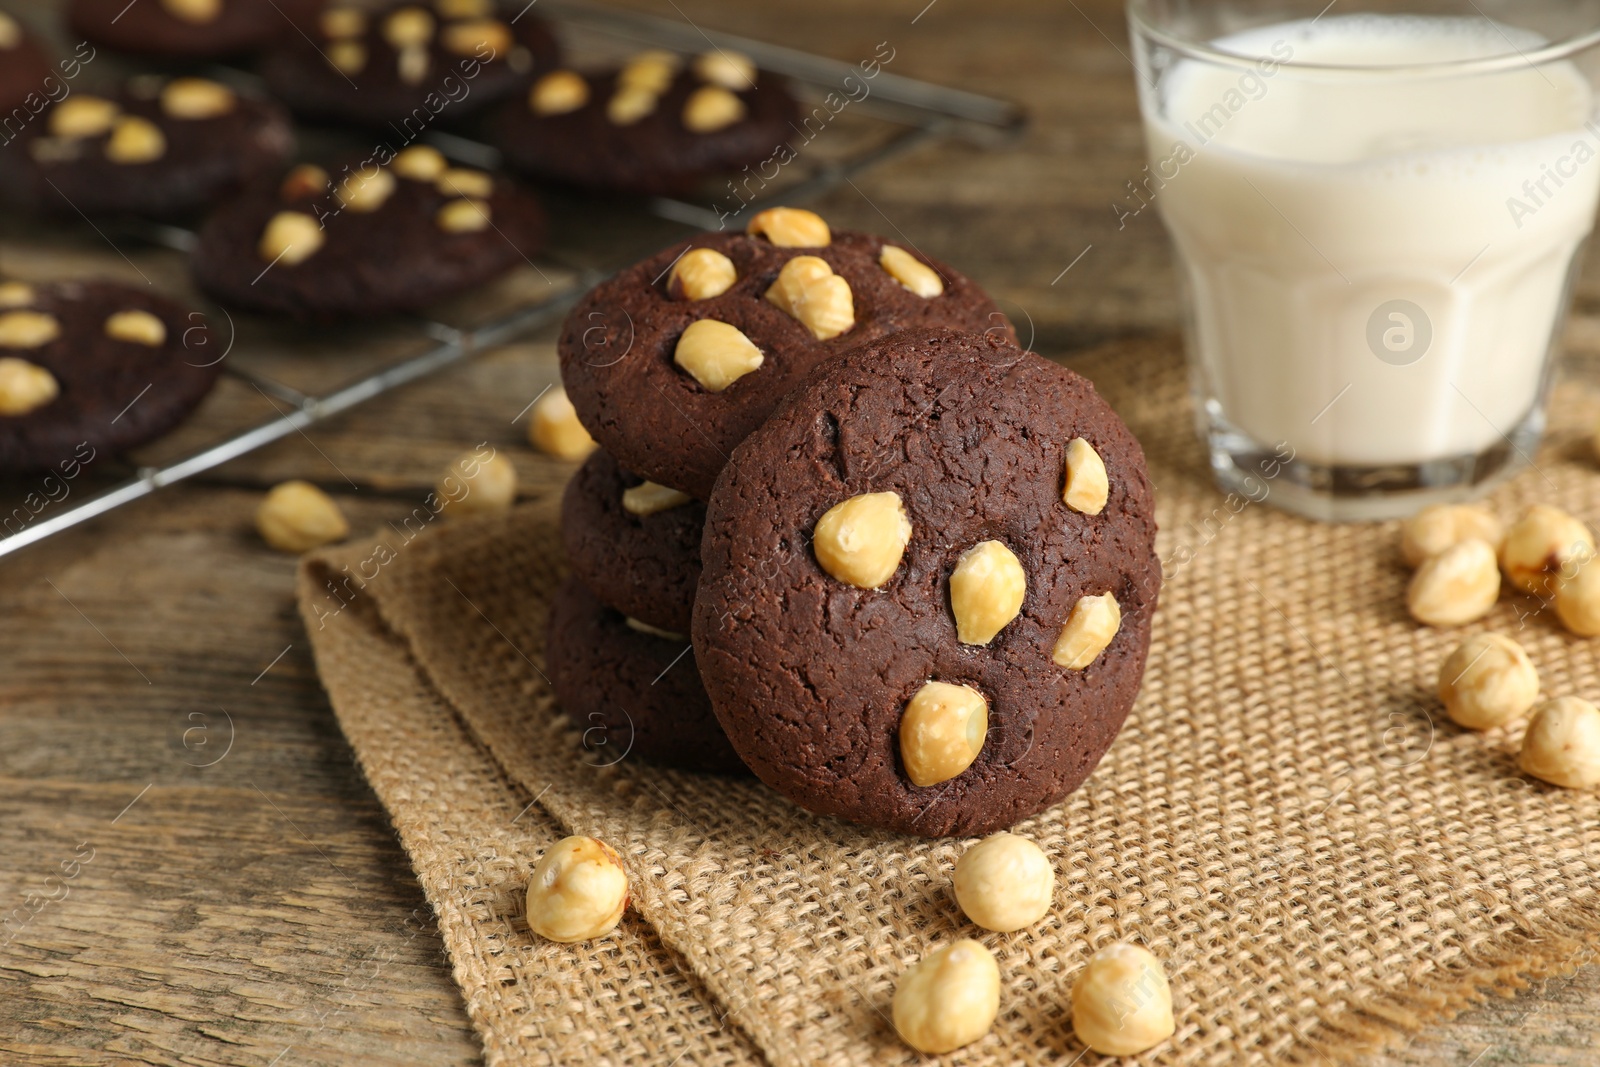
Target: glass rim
1553,52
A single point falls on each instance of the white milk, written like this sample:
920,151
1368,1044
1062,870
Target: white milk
1301,203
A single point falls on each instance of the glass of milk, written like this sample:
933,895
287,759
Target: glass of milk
1378,217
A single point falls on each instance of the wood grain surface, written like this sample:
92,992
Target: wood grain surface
193,869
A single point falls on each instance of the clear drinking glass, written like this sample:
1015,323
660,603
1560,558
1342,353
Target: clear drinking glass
1378,213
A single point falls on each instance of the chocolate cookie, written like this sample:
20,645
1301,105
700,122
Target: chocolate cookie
409,64
92,368
671,402
23,70
635,544
904,619
188,29
654,127
635,694
386,234
162,149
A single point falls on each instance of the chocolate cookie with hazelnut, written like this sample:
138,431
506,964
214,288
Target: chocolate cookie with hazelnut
161,148
89,369
928,585
409,65
672,362
657,125
188,29
379,236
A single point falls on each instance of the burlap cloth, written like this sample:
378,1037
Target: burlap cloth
1321,858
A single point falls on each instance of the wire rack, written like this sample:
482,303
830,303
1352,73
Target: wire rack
909,112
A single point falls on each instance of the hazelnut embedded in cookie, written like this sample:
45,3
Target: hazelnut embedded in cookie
716,354
137,327
700,274
197,98
81,115
791,227
861,541
913,274
28,329
557,93
711,108
810,292
24,387
942,732
291,237
1093,624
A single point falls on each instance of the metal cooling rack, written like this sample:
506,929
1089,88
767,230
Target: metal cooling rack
922,111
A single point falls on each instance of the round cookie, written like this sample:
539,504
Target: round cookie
409,64
188,29
618,347
638,552
812,676
575,128
383,235
23,70
162,149
634,694
93,368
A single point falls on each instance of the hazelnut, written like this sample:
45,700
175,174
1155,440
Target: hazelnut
1578,600
290,238
16,295
731,70
650,71
413,63
1086,486
463,216
558,92
347,57
791,227
1121,1004
135,140
942,732
1091,626
860,541
578,891
297,517
463,9
654,631
911,272
82,115
711,108
1434,529
1544,544
197,98
420,163
1457,586
1004,883
196,11
461,181
24,386
700,274
986,591
647,498
1562,745
476,486
471,38
303,182
715,354
367,192
10,32
408,27
809,291
630,104
1487,681
340,22
137,327
27,329
554,429
949,998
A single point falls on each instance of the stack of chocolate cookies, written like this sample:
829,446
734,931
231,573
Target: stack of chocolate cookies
670,365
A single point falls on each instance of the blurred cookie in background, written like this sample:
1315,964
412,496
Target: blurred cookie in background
91,369
162,148
658,125
24,68
384,234
412,64
189,29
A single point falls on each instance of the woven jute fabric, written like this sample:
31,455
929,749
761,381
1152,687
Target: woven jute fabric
1321,859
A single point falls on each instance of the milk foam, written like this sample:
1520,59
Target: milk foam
1303,202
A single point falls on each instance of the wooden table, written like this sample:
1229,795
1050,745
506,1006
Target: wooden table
238,896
